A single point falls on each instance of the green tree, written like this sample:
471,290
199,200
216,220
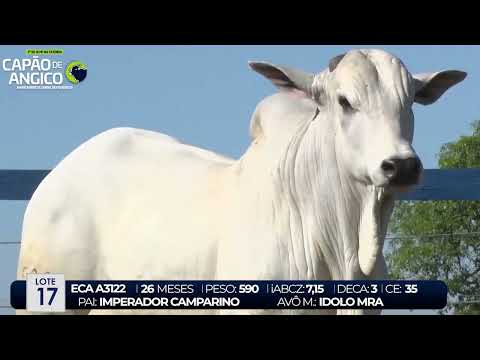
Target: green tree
419,252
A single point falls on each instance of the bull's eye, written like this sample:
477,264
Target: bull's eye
345,104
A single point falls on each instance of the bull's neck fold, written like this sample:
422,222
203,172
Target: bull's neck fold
317,210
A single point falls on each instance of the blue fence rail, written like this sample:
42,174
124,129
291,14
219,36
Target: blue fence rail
437,184
20,184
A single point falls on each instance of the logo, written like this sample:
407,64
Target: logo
38,70
76,72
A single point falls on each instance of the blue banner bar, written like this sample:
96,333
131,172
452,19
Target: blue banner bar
246,294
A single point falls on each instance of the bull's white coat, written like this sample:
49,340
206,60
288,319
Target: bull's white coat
306,201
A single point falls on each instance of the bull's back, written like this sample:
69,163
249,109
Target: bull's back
126,204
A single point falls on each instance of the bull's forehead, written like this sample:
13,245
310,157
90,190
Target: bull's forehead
371,75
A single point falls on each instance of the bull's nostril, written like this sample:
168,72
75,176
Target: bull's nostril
388,167
402,171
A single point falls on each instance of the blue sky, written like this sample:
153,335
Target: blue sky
202,95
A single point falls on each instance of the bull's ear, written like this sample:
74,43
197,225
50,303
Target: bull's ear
430,87
285,79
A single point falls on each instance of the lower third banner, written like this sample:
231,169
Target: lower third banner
50,292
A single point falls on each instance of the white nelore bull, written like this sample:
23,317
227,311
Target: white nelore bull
310,199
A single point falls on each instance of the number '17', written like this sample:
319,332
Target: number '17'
53,290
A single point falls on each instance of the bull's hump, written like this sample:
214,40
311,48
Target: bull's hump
281,108
287,103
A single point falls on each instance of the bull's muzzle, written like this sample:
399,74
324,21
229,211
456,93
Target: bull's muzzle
402,171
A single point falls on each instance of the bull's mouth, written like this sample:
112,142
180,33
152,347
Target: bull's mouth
393,187
397,184
405,185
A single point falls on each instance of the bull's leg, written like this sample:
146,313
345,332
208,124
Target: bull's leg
151,312
68,312
57,242
351,312
276,312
